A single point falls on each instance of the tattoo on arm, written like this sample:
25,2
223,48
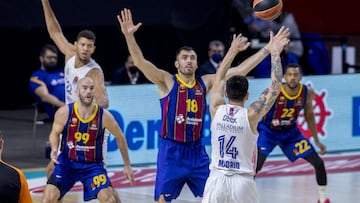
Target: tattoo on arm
276,67
259,105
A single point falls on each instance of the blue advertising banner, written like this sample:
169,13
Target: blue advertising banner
336,109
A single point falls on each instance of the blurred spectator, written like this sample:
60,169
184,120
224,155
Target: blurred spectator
257,27
13,184
216,54
128,74
47,83
288,20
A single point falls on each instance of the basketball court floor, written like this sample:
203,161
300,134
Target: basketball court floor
278,182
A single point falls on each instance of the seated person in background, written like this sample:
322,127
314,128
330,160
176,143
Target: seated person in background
47,83
129,74
216,54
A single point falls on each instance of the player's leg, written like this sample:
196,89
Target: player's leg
266,143
108,195
171,174
320,172
51,194
198,168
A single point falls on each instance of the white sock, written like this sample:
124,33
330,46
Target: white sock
322,193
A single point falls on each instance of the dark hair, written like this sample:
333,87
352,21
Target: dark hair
49,47
1,135
183,48
237,87
293,65
88,34
216,43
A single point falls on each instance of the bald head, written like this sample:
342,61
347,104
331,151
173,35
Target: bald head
84,81
85,90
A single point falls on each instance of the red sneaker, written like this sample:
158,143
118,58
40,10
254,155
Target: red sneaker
326,201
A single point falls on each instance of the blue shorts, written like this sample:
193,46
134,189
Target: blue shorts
292,142
93,176
180,163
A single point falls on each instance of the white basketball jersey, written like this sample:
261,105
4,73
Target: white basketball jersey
72,75
233,144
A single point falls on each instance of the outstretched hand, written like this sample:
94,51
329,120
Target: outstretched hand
239,43
126,22
278,42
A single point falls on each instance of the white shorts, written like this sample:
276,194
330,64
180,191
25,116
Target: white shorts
237,188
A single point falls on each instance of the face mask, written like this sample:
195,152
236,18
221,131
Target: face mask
50,66
133,69
217,58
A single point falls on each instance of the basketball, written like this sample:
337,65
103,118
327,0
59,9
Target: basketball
267,9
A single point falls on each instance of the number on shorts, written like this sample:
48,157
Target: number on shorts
303,146
100,180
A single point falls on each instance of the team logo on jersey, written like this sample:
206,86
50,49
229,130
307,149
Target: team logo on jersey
182,88
281,100
180,119
73,122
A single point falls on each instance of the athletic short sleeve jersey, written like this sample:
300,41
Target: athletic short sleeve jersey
283,114
233,144
54,82
72,75
182,111
82,140
13,185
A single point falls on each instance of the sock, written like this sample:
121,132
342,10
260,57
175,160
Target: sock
322,193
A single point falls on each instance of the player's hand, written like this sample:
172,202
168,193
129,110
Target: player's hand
281,38
321,147
54,156
126,22
128,173
239,43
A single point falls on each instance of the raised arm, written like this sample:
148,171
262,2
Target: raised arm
55,31
110,124
260,107
239,43
310,119
250,63
151,72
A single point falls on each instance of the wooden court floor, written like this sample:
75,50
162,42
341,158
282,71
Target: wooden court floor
342,188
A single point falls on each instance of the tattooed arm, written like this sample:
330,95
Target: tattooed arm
267,98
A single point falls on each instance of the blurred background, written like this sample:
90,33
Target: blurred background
167,25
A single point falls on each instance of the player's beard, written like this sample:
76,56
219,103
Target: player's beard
292,85
86,101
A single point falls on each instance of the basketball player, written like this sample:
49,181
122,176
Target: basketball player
81,125
279,127
181,156
78,63
13,185
233,130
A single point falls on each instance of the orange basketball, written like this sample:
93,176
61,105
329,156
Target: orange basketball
267,9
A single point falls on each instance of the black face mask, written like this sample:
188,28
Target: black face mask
133,69
50,67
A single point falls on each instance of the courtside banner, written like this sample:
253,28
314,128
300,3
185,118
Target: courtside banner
336,108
